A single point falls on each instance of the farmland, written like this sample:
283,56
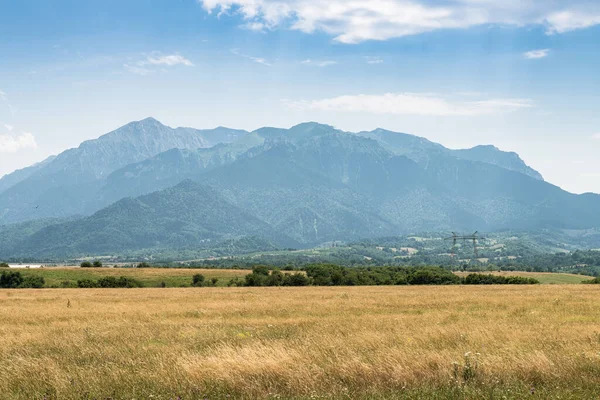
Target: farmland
181,277
543,277
150,277
538,341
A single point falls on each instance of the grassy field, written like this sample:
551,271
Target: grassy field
150,277
445,342
543,277
180,277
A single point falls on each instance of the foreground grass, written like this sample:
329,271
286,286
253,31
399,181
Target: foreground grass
360,342
150,277
544,277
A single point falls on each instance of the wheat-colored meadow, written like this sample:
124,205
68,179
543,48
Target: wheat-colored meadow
344,342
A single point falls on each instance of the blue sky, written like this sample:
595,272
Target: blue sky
519,75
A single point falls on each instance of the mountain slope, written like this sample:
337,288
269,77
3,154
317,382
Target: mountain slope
492,155
66,184
187,215
422,151
169,168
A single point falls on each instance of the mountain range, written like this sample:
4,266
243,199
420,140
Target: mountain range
146,186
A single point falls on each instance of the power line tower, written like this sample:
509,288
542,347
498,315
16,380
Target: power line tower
474,237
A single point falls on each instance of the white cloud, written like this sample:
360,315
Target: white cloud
257,60
413,104
359,20
320,64
596,136
9,127
137,70
536,54
12,144
565,21
373,60
255,26
168,60
155,62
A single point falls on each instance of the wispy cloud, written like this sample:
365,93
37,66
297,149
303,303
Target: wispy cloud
413,104
373,60
4,99
167,60
257,60
9,128
596,136
360,20
134,69
536,54
320,64
13,143
156,60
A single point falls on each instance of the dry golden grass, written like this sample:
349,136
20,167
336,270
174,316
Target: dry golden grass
359,342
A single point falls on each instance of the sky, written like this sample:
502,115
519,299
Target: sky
521,75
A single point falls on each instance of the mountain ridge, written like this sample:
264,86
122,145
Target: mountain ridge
296,187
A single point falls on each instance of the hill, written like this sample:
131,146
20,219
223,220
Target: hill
187,215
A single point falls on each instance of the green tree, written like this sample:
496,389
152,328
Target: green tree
97,264
86,264
198,280
10,279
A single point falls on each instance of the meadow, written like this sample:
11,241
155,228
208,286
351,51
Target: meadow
445,342
544,277
149,277
56,277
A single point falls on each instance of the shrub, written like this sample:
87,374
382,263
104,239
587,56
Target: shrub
4,265
432,276
143,265
198,280
87,284
296,279
97,264
10,279
33,282
276,278
594,281
86,264
261,270
255,279
121,282
481,279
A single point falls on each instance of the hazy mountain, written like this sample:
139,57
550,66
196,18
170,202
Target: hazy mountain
422,151
171,167
67,184
187,215
492,155
289,187
19,175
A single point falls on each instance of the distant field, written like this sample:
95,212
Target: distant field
413,342
181,277
543,277
150,277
